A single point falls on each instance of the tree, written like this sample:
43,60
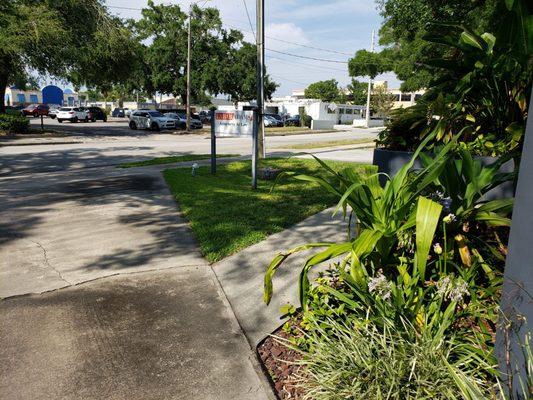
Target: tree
381,101
238,77
357,92
221,62
323,90
406,22
91,42
366,63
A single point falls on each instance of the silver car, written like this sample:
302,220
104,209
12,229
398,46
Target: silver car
150,119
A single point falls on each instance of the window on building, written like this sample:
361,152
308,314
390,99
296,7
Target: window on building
341,111
21,98
396,97
349,111
417,96
330,111
406,97
34,98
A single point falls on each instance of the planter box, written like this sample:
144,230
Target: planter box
390,162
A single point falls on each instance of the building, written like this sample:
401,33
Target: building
15,96
401,99
50,94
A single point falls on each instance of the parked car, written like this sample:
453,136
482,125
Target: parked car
35,110
52,113
271,121
293,121
118,112
96,113
72,114
181,121
205,116
277,117
150,119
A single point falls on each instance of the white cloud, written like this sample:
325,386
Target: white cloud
284,32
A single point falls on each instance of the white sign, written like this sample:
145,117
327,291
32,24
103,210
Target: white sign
233,123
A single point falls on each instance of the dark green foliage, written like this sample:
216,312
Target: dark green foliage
357,92
323,90
94,46
370,64
481,88
14,123
221,61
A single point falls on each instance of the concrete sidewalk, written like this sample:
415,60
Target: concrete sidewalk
158,326
241,275
159,335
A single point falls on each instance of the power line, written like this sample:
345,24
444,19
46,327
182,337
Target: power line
309,58
253,32
288,41
249,19
288,62
288,80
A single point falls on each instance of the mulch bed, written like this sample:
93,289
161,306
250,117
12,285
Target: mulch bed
279,360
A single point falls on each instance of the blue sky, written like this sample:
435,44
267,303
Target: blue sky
340,26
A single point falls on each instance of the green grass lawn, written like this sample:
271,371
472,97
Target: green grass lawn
329,143
226,215
292,130
172,159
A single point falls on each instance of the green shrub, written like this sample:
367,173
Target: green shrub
361,362
14,123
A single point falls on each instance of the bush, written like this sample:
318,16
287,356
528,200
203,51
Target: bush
362,362
13,123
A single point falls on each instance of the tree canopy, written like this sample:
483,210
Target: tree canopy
94,46
323,90
406,22
221,61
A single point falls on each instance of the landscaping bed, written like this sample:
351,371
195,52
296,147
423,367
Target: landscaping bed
280,363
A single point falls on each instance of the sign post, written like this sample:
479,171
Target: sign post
213,144
235,123
255,147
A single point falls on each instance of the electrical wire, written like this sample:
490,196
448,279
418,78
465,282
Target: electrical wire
249,19
308,58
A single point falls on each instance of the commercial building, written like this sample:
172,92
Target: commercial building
50,94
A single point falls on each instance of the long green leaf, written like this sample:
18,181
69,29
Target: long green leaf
427,217
277,261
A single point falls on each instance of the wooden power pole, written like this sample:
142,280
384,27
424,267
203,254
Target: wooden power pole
261,77
189,71
367,116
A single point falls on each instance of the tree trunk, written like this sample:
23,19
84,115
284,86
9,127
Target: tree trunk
4,78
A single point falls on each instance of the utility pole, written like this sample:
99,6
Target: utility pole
369,88
189,71
261,77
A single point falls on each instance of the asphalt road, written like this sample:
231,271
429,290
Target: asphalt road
105,144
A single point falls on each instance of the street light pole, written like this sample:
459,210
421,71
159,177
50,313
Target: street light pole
189,72
261,77
367,116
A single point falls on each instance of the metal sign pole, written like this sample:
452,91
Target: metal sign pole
255,150
213,144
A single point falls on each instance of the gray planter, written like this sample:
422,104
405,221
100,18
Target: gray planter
390,162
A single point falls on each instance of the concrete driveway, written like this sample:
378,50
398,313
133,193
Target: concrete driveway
112,298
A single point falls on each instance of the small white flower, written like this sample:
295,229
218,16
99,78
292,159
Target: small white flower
380,285
437,249
448,219
458,291
452,290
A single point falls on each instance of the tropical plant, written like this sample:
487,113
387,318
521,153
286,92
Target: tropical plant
481,87
356,360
